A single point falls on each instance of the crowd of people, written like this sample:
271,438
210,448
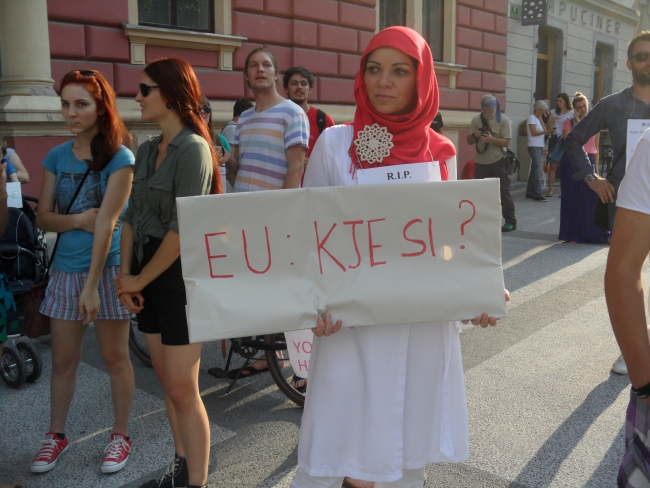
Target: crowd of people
118,250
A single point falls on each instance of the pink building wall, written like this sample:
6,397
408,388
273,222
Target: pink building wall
325,36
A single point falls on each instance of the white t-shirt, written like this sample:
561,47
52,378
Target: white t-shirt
634,192
535,141
559,123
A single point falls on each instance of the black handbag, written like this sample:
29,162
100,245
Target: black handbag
35,324
512,163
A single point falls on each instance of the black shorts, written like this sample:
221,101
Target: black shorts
164,301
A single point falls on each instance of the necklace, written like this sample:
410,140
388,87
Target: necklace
373,143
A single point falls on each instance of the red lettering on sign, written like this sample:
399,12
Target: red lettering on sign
354,223
433,251
414,241
302,345
372,246
268,250
303,365
321,246
214,256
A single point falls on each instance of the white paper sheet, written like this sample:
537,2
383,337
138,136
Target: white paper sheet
635,129
14,194
265,262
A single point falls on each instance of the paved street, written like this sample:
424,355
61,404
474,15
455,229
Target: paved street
544,408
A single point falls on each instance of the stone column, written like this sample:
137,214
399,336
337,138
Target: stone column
25,49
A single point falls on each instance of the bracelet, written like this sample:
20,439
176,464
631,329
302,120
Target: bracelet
643,392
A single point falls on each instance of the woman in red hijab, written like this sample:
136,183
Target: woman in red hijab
385,400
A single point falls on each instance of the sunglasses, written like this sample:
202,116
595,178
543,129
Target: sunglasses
146,89
640,57
206,109
86,72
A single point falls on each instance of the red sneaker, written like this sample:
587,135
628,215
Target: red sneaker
116,454
52,448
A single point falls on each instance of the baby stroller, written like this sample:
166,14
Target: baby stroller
24,260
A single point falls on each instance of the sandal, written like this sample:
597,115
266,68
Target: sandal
299,384
550,194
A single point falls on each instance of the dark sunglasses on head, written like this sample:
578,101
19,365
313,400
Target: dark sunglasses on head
640,57
86,72
146,89
206,109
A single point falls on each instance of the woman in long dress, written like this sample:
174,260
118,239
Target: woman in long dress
385,400
578,200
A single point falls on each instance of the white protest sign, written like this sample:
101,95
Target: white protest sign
265,262
405,173
635,129
299,346
14,195
402,173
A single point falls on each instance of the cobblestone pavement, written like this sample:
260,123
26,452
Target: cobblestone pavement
544,408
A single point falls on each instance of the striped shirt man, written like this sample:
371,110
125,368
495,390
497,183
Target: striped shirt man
263,139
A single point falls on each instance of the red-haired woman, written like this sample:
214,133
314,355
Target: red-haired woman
403,383
181,162
96,168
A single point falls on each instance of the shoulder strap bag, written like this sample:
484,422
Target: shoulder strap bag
35,324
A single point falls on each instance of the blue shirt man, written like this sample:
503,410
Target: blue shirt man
612,113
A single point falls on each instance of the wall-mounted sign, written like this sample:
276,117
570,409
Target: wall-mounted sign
566,11
514,12
534,12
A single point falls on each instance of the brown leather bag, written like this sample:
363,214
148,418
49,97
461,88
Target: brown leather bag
35,324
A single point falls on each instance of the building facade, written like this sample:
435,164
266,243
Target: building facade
582,47
40,40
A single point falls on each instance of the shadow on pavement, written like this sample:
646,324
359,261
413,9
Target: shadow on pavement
543,467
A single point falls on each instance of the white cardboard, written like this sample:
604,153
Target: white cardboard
252,264
635,129
403,173
14,195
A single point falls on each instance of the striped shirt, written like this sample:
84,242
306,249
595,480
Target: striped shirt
263,139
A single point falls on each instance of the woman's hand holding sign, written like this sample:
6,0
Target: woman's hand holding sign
325,326
483,320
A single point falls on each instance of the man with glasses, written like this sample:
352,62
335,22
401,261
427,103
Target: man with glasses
612,113
491,132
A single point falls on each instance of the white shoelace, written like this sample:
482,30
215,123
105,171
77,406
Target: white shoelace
49,446
169,472
115,448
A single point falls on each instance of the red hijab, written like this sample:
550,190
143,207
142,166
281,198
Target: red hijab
413,140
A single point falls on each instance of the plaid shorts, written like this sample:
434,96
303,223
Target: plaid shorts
63,291
634,471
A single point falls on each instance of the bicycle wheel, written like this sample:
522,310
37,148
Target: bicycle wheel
277,359
138,345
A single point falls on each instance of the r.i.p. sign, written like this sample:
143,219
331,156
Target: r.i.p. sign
266,262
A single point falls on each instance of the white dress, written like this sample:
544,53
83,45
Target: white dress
382,398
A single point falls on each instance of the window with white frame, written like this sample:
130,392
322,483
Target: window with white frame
193,15
428,17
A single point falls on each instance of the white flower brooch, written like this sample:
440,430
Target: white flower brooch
373,143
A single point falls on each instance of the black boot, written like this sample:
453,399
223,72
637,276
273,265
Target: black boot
176,475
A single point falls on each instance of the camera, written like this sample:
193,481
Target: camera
484,131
